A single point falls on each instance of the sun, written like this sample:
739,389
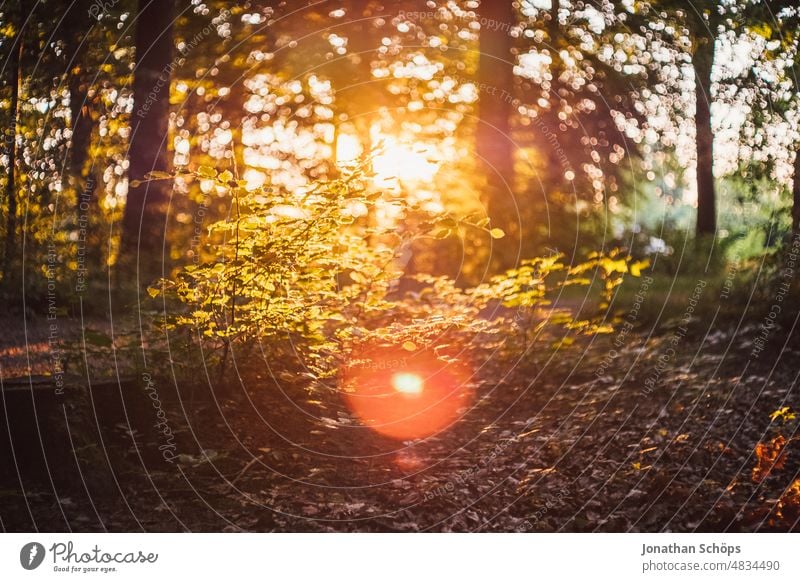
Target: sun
348,149
394,163
397,162
407,383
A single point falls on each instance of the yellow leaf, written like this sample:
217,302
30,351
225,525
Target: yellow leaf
225,176
618,266
358,277
636,268
785,413
207,172
409,346
497,233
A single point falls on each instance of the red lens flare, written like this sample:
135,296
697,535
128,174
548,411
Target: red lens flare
405,395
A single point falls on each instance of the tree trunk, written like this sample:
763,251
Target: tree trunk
10,142
494,146
703,62
81,126
796,194
77,23
144,220
362,45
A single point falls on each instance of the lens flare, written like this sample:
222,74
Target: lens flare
407,383
405,396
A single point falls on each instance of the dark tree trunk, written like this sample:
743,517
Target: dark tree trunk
10,142
796,194
77,24
553,174
144,220
703,62
81,127
75,29
494,145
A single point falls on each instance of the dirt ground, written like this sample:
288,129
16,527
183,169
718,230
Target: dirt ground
648,434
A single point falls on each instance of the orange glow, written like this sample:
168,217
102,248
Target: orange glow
405,396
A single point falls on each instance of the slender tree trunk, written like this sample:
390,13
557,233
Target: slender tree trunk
494,146
363,44
235,105
77,175
554,173
554,31
10,139
144,220
81,126
703,62
77,23
796,193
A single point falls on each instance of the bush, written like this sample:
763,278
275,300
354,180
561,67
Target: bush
316,273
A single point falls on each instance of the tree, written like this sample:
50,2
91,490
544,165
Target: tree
778,23
75,29
359,27
580,85
703,22
697,23
796,192
494,143
144,221
13,75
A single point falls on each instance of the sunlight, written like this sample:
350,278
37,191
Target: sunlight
348,149
400,163
407,383
395,163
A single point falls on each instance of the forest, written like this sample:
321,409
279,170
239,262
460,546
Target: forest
399,265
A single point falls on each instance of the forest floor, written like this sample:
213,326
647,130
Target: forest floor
572,442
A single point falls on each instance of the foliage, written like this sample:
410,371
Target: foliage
771,457
296,266
531,288
771,454
314,270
